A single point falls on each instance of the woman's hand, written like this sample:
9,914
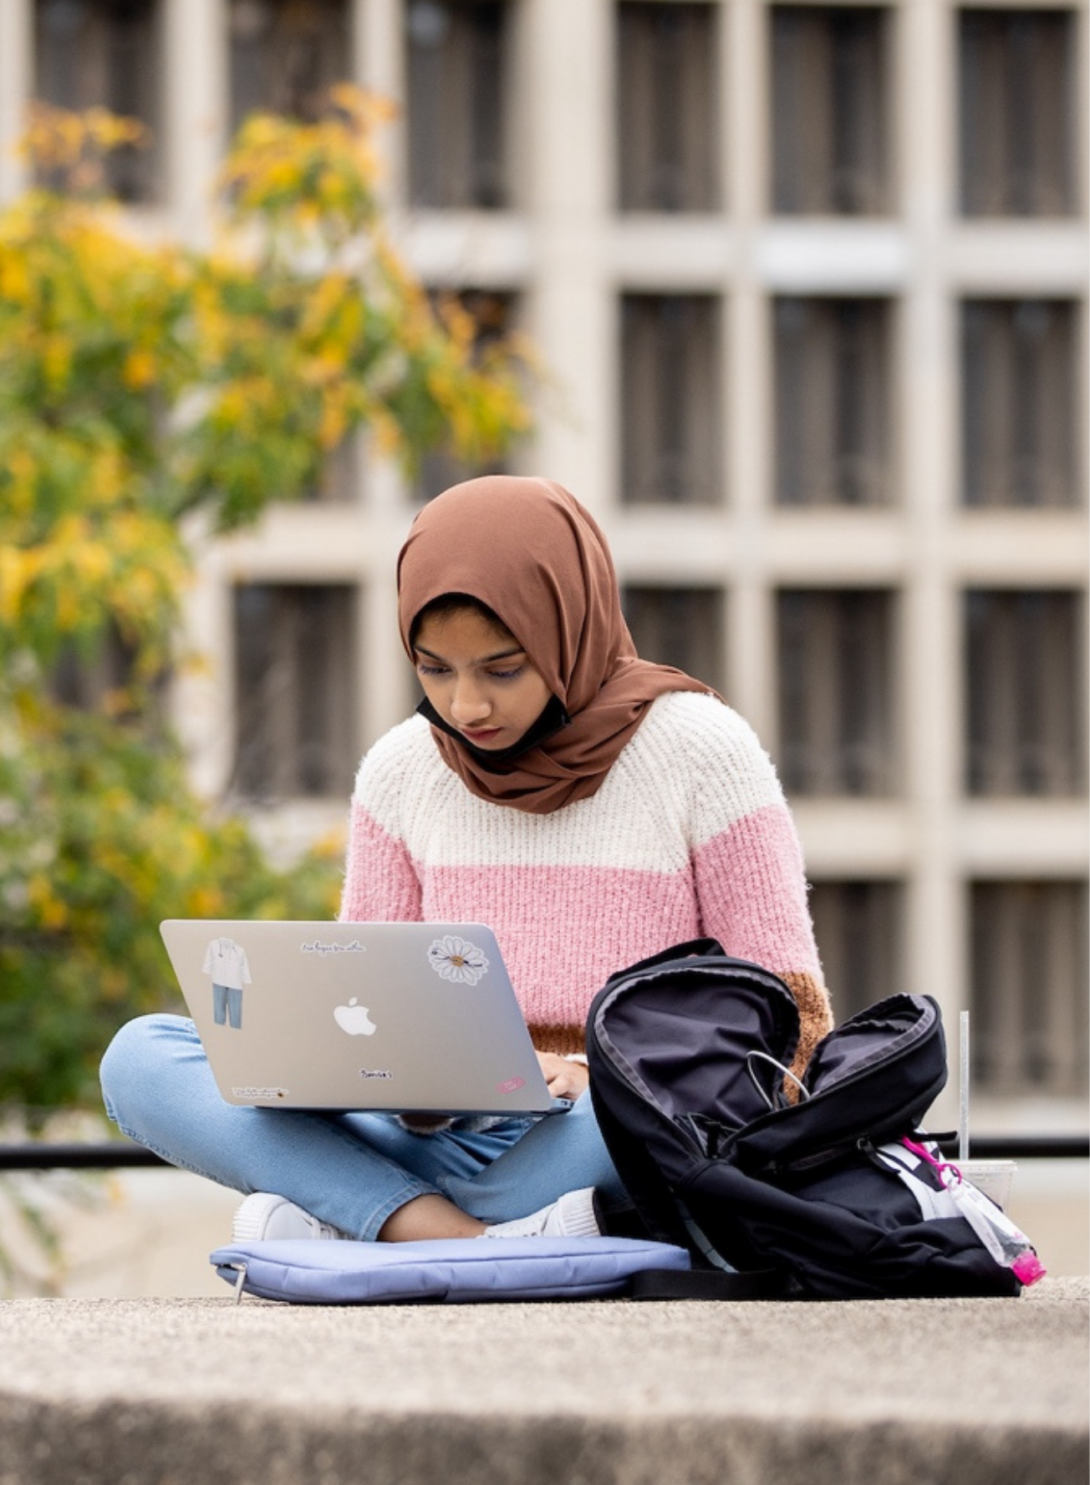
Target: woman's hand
565,1079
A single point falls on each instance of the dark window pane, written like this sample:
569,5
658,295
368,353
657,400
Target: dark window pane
286,56
105,54
835,696
1019,385
1017,120
670,398
832,401
92,677
829,110
1024,693
494,317
859,930
678,626
457,63
666,107
296,682
1029,1005
338,482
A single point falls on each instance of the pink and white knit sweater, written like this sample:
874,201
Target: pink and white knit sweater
689,835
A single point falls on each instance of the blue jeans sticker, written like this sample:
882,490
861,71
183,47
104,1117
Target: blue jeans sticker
227,1002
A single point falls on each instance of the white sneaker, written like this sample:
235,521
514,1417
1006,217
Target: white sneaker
576,1214
263,1215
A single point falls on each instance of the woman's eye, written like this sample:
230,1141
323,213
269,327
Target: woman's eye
423,669
505,675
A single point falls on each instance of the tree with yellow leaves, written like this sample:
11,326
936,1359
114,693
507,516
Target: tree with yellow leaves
139,383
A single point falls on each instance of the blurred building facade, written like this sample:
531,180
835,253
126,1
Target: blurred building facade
810,282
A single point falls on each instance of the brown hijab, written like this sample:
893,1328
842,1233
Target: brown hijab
529,551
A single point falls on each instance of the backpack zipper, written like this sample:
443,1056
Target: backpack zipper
818,1157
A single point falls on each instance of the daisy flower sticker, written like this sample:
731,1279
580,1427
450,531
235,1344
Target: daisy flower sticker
458,960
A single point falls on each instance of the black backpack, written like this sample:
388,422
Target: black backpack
687,1054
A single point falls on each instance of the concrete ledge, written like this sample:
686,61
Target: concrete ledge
100,1392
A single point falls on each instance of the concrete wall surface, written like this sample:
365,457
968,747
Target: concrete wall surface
925,1392
147,1233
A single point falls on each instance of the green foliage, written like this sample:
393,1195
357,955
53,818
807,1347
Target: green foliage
138,383
102,838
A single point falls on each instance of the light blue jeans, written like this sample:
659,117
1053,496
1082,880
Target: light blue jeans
350,1170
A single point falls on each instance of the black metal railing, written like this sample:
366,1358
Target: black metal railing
1023,1147
108,1155
119,1155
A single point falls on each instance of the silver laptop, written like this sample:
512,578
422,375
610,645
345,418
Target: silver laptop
397,1017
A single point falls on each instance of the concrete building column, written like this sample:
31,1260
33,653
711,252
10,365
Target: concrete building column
936,930
16,83
202,694
378,65
196,114
563,68
751,658
384,683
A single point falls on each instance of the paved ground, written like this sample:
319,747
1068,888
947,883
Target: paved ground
161,1392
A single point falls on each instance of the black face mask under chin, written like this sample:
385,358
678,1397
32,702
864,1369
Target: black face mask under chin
552,720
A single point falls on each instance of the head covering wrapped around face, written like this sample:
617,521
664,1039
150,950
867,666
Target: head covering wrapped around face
529,551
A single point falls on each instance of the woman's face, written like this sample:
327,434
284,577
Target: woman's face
478,678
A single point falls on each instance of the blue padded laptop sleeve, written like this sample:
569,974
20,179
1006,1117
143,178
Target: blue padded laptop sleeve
449,1271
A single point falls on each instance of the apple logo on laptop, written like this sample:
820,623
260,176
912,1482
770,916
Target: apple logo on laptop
354,1018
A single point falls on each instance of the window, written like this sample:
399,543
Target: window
835,691
85,680
295,687
105,54
859,929
1028,1021
494,316
666,107
678,626
1019,380
671,407
285,56
1023,685
338,480
457,107
829,110
101,676
1017,112
89,678
832,360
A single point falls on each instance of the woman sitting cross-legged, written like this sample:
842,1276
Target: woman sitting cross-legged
591,807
